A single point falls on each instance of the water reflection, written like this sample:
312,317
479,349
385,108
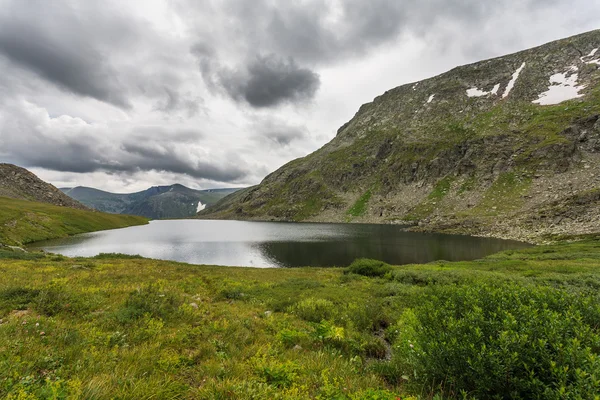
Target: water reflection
268,244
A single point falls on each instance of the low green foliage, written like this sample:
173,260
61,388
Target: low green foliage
27,221
368,267
360,206
518,324
507,341
427,206
149,300
314,310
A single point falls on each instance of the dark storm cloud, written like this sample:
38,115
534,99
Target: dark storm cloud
299,37
30,138
278,133
266,81
316,32
131,157
165,157
53,41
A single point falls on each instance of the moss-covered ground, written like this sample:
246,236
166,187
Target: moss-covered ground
518,324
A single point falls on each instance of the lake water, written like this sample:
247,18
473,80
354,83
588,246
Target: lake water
276,244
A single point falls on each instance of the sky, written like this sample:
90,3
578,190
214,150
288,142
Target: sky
123,95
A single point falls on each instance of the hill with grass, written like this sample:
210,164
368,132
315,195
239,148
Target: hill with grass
508,147
174,201
23,221
19,183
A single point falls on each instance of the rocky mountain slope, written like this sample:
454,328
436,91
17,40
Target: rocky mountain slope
174,201
508,147
19,183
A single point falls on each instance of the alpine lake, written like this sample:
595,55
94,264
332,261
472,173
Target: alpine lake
276,244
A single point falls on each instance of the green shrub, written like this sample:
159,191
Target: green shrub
504,341
368,267
149,300
20,255
17,298
278,374
55,299
314,310
365,316
290,338
50,300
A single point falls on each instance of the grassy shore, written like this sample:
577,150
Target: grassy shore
23,221
518,324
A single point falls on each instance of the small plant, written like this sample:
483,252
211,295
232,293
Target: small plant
368,267
149,300
314,310
17,298
290,338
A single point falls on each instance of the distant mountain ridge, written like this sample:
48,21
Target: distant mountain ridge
173,201
19,183
508,147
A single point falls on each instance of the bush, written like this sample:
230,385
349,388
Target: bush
314,310
56,299
17,298
151,301
368,267
50,300
502,341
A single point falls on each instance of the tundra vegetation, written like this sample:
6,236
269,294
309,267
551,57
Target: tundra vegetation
516,325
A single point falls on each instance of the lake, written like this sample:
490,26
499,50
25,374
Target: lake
276,244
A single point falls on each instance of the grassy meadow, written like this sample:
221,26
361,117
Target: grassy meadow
516,325
23,221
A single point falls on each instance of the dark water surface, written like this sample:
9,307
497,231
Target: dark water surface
276,244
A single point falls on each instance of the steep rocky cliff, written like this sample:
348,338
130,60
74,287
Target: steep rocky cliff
507,147
19,183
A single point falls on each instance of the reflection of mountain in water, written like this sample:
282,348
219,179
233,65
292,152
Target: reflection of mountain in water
401,248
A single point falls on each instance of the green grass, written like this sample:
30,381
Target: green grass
24,221
504,195
360,206
427,206
126,327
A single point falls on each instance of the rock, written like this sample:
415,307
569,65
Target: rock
194,305
268,313
17,248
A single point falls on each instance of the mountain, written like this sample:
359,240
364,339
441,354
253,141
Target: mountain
19,183
175,201
508,147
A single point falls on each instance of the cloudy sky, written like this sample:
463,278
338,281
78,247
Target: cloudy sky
122,95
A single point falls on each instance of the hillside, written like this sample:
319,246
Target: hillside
23,222
19,183
174,201
506,147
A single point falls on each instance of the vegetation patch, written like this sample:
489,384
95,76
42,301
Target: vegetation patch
518,324
437,194
24,221
507,341
368,267
504,195
360,206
